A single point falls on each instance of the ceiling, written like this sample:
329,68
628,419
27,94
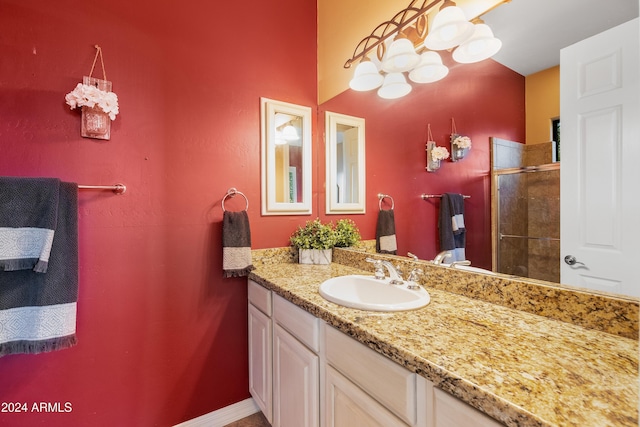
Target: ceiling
534,31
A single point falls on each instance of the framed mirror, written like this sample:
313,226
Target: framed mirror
286,158
345,158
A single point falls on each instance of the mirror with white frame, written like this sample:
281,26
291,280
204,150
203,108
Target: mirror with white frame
286,158
345,160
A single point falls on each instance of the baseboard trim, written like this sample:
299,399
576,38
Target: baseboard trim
223,416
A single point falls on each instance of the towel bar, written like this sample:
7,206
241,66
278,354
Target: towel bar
513,236
438,196
116,188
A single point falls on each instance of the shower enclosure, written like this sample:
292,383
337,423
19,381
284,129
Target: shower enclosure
526,210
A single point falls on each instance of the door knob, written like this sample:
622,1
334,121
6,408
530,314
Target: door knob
571,260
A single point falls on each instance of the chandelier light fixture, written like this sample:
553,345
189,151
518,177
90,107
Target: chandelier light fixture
414,48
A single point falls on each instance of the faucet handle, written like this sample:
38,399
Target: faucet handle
415,274
378,267
414,278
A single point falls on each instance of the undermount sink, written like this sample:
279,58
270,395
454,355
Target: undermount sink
369,293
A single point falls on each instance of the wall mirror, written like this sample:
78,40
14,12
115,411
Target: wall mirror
519,29
535,238
286,158
345,164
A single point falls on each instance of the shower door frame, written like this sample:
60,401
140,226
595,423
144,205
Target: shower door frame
495,203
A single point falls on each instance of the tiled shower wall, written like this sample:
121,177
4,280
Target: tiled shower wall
529,206
512,254
543,203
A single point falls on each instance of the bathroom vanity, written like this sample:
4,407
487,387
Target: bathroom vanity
291,349
459,361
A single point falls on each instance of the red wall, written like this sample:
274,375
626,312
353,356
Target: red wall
485,100
162,336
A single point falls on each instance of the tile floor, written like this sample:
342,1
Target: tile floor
255,420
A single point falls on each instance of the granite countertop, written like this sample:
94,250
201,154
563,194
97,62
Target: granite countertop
520,368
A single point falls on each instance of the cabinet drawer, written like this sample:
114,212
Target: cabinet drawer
450,412
346,405
302,325
260,297
386,381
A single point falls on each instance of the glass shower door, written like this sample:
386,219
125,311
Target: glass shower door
528,221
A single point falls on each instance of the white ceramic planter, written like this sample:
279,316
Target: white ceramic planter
315,256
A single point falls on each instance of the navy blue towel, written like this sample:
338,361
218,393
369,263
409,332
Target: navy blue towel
451,226
38,310
28,215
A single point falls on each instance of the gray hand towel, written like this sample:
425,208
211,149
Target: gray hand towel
28,215
451,226
38,311
236,244
386,233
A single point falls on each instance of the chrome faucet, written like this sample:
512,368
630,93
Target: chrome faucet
415,257
396,278
394,275
441,257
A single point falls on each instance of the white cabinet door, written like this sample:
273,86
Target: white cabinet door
346,405
295,382
260,360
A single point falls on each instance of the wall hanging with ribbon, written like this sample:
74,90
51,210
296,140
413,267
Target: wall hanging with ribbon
460,144
99,105
435,154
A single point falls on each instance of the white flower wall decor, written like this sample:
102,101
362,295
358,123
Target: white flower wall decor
85,95
98,103
435,154
460,144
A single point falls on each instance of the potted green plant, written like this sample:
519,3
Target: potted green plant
347,233
314,242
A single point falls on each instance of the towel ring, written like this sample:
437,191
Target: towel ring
232,192
382,197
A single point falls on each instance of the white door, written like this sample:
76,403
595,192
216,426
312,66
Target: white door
600,173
